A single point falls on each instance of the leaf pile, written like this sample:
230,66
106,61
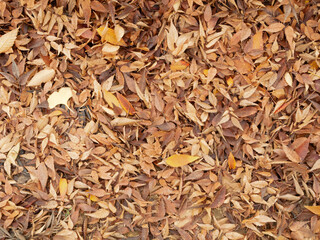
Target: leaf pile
159,120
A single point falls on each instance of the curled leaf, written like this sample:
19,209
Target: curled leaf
43,76
109,35
179,160
125,104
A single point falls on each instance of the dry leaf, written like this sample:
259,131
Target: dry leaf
60,97
291,154
231,161
178,66
111,99
7,40
43,76
109,36
101,213
11,158
63,187
314,209
125,104
274,27
179,160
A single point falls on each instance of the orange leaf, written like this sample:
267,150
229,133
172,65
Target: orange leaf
180,65
314,209
179,160
109,36
63,187
231,161
125,104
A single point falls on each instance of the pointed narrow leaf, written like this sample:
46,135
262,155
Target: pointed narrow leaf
179,160
231,161
125,104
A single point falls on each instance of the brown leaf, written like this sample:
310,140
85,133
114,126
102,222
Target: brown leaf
231,161
274,27
219,198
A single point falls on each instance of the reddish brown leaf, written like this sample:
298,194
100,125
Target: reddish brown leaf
125,104
219,198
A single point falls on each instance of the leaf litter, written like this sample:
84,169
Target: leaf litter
159,120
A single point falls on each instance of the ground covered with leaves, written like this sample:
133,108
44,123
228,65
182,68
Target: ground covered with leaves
175,119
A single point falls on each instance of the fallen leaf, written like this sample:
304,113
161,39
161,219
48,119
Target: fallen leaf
60,97
125,104
219,198
101,213
7,40
291,154
63,187
11,158
178,66
43,76
179,160
314,209
111,99
109,36
274,27
231,161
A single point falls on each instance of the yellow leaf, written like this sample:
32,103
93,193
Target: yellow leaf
314,209
110,36
231,161
179,160
111,99
43,76
180,65
60,97
7,40
205,72
63,187
93,198
230,81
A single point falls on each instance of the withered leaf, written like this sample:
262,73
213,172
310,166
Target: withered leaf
219,198
125,104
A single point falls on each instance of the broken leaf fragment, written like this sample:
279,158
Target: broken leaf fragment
60,97
179,160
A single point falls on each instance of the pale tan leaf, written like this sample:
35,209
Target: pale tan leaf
11,158
60,97
7,40
43,76
101,213
291,154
